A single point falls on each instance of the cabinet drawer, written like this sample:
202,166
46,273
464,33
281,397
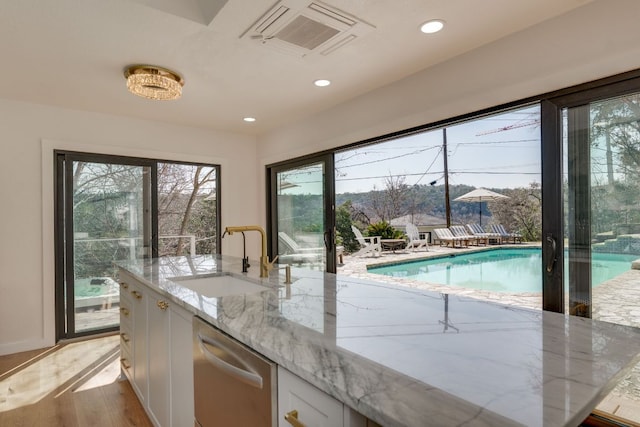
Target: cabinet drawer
126,362
126,340
126,318
308,405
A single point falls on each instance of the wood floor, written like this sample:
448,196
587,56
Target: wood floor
72,385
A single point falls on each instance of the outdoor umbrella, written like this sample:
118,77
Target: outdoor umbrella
480,195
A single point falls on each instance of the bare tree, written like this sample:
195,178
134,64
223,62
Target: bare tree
521,212
390,202
180,188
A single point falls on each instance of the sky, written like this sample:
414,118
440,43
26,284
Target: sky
497,151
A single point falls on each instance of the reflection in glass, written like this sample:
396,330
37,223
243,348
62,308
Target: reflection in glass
110,215
602,217
301,224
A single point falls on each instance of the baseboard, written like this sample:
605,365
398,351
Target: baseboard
20,346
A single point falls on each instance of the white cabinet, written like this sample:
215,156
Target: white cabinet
182,412
139,314
126,330
133,345
301,404
158,346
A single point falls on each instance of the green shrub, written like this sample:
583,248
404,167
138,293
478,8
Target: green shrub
384,230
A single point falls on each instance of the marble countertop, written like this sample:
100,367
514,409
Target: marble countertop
405,357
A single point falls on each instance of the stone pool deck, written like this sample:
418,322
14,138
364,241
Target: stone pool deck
616,300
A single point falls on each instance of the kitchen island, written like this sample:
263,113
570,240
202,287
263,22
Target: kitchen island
405,357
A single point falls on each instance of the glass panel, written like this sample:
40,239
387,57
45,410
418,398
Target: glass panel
602,212
187,209
110,215
481,176
301,216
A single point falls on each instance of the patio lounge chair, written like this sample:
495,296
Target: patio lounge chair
462,232
414,240
444,235
499,228
369,244
477,230
292,252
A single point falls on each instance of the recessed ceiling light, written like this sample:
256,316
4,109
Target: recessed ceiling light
322,83
432,26
249,119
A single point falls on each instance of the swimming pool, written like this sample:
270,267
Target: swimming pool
499,270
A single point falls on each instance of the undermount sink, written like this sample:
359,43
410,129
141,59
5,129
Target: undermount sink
219,285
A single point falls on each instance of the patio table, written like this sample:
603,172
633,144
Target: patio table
392,244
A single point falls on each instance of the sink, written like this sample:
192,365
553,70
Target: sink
219,285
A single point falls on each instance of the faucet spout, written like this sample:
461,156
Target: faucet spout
265,265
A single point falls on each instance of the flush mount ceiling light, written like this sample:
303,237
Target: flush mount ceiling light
432,26
249,119
149,81
322,83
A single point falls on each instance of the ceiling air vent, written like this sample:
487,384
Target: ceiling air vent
303,29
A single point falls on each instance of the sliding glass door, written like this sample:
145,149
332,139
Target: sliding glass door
110,209
302,213
591,232
602,212
591,215
104,210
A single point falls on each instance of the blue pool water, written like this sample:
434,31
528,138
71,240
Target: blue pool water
500,270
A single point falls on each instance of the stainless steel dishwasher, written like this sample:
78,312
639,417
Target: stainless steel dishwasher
233,385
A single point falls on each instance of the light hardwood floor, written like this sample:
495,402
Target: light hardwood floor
71,385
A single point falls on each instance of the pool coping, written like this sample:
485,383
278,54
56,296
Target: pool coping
455,254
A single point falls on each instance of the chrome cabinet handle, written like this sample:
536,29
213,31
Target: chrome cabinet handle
245,375
163,305
551,262
292,418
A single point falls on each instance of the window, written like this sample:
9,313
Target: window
568,160
111,208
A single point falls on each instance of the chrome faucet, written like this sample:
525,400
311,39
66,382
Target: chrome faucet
265,265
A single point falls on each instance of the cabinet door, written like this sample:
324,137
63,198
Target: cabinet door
182,412
314,407
139,309
159,359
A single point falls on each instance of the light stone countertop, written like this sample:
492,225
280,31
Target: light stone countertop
406,357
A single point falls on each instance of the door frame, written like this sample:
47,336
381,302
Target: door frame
577,99
329,203
61,155
63,232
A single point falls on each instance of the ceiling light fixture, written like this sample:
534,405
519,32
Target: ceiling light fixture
432,26
322,83
249,119
149,81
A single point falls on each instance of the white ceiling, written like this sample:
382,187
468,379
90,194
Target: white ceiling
71,53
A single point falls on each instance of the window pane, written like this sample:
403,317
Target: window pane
602,217
109,205
187,209
301,214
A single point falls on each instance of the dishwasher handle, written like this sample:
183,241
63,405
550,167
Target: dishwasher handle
244,375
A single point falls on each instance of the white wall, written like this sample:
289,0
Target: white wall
597,40
28,135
